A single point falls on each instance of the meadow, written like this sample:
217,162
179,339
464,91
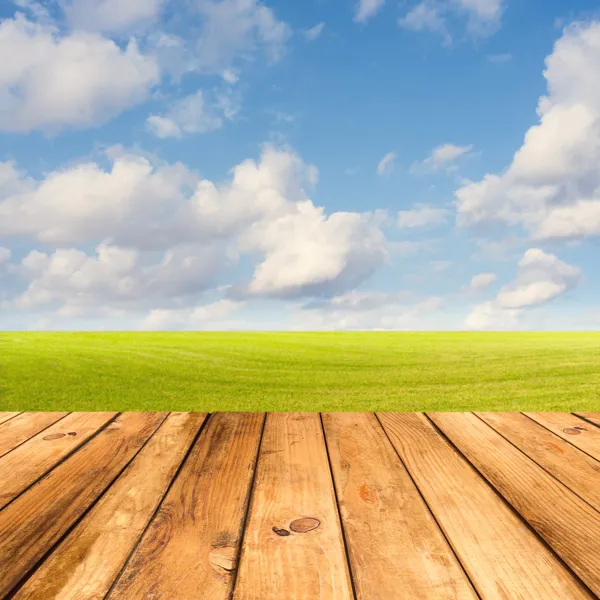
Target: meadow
345,371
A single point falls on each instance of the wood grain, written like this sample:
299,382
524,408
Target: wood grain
574,430
190,549
504,559
578,471
293,482
34,458
14,432
6,416
593,417
37,519
569,525
87,562
396,549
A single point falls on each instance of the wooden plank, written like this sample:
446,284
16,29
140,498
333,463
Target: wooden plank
593,417
15,431
6,416
87,562
503,558
574,430
578,471
37,519
190,548
569,525
377,496
293,491
34,458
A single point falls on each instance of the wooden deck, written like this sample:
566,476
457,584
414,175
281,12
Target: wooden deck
303,506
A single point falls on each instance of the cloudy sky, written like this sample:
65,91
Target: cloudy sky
324,164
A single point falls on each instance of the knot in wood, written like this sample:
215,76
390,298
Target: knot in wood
304,525
54,436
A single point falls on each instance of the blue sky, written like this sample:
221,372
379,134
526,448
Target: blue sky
328,164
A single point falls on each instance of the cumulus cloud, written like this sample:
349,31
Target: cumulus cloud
441,157
78,283
386,164
366,9
159,226
193,114
421,216
552,186
308,253
541,277
110,15
483,16
49,80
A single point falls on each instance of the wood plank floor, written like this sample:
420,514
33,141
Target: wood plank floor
265,506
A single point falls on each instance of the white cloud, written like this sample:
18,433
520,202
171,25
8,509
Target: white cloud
49,81
213,316
426,16
552,187
443,156
115,277
367,9
368,311
308,253
421,216
231,75
541,277
482,281
110,15
483,16
231,28
314,32
157,222
192,114
386,164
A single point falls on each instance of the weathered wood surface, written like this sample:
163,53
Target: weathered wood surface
192,545
567,523
19,429
503,558
87,562
293,546
339,506
396,548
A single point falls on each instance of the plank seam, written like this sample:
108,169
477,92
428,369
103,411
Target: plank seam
580,416
248,507
514,510
562,438
440,528
151,519
535,462
54,546
339,512
36,433
62,460
11,418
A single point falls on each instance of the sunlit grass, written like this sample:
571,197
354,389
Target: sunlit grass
299,371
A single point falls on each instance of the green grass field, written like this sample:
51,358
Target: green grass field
299,371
